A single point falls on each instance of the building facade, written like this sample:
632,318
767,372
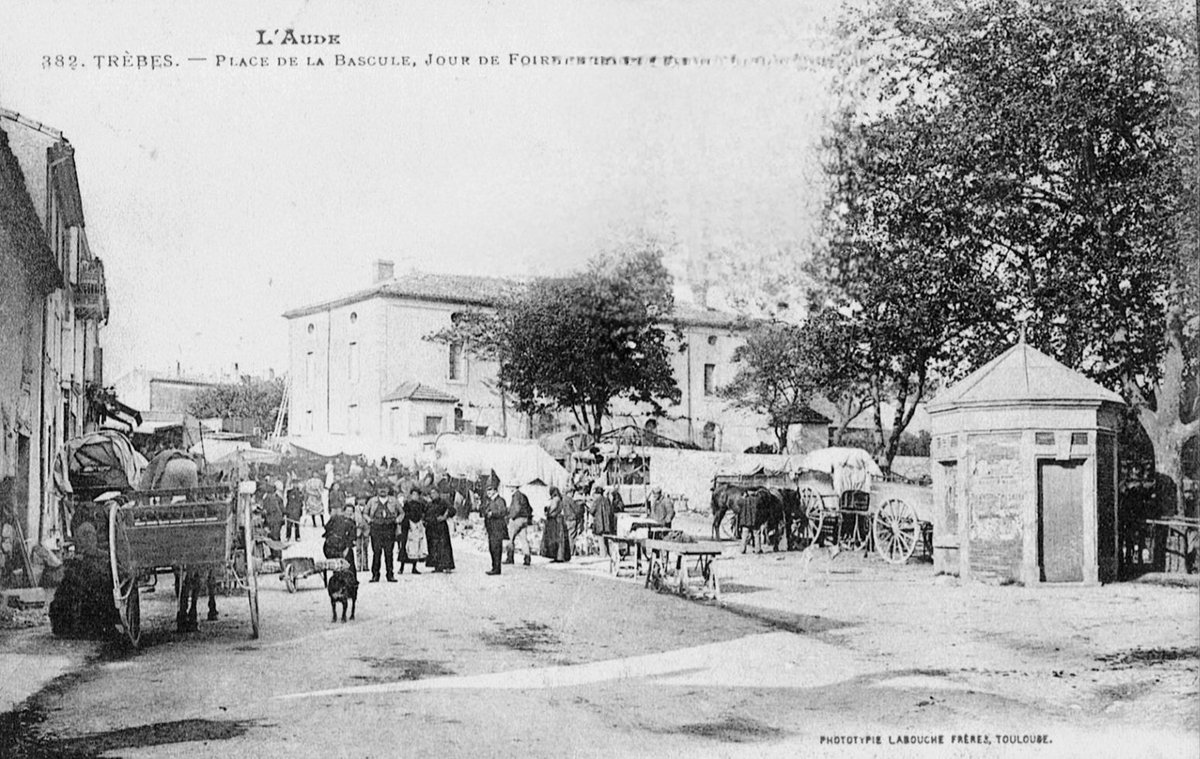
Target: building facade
53,305
360,365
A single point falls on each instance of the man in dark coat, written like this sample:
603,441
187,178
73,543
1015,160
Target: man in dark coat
382,511
495,521
520,514
339,538
604,519
292,512
272,508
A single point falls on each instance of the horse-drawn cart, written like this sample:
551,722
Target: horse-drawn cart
847,499
837,495
197,530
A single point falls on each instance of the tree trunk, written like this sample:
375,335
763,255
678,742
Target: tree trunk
1163,424
781,435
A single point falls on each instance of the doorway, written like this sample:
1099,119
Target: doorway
1060,521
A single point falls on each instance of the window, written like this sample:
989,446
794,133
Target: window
433,425
709,371
455,370
311,328
310,369
353,424
460,424
353,316
710,436
352,359
712,339
308,420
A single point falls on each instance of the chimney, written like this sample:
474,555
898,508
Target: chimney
384,270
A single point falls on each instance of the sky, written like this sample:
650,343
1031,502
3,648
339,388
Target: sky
220,196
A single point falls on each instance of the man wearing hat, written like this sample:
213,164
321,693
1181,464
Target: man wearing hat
382,511
520,514
662,508
495,521
604,519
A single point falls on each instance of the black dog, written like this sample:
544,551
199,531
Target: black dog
343,588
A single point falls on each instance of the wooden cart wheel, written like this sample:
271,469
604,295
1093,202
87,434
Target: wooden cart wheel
124,577
896,530
814,513
290,576
251,569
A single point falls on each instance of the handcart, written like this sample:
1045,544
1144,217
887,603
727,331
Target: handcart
296,568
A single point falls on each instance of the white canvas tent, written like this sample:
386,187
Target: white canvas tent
514,462
327,446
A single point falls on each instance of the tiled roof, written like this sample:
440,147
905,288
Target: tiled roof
1022,373
809,416
465,289
471,290
689,315
415,391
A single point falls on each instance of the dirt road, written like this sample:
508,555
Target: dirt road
565,661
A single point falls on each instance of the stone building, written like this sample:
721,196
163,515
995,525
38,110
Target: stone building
1024,473
359,365
53,304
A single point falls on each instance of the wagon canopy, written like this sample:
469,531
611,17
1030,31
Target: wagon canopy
851,468
101,460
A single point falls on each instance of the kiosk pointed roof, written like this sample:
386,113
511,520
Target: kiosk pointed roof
1023,373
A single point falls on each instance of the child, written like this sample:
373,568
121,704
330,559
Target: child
362,532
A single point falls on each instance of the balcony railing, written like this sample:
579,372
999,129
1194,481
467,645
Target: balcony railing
91,293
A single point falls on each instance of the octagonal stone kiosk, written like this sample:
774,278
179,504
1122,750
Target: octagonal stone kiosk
1024,461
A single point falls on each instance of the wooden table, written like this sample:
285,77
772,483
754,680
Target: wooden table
625,554
684,567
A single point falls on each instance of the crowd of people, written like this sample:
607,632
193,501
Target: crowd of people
385,518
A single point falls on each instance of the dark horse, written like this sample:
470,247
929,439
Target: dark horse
725,499
764,511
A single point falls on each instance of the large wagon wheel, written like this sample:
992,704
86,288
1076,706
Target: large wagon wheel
124,576
251,569
814,513
896,530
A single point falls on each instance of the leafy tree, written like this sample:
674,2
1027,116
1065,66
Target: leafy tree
1019,162
255,399
776,377
901,271
836,351
577,343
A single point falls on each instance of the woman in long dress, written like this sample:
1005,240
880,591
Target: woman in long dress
413,542
556,538
437,534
